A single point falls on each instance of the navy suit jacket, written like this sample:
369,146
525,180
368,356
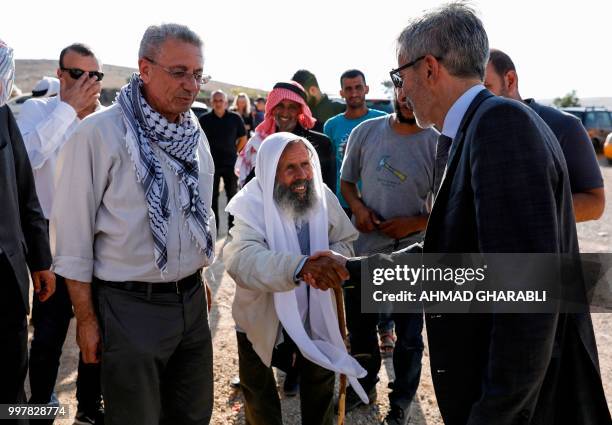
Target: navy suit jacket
24,236
506,190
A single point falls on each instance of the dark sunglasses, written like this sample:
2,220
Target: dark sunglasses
76,73
395,73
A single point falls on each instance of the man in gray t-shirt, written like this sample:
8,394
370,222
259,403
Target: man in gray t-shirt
394,160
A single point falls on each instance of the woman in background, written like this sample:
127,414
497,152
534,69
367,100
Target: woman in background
242,106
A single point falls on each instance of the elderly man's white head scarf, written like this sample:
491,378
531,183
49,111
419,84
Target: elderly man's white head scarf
7,72
255,205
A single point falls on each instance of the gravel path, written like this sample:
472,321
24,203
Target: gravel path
228,407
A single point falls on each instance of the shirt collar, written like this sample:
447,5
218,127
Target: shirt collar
457,111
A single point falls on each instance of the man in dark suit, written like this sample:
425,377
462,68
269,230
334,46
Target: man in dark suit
23,244
501,186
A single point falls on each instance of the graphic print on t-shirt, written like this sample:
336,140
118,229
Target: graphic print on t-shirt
383,164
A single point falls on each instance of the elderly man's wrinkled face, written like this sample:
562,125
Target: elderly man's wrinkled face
286,115
294,191
169,83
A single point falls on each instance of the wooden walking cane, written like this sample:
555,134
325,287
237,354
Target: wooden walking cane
342,325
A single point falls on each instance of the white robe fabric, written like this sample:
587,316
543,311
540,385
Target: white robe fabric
255,205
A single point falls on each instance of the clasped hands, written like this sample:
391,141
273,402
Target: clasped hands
324,270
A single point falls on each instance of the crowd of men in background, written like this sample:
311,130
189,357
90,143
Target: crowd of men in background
381,168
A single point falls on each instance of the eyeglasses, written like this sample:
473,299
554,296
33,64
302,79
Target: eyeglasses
179,74
75,73
398,82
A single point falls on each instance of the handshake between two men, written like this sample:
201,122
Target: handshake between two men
324,270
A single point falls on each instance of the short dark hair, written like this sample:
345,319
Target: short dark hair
501,62
306,79
260,99
80,48
352,73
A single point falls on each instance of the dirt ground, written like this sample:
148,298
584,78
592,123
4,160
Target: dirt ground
228,406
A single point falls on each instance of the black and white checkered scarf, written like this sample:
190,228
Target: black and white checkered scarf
179,143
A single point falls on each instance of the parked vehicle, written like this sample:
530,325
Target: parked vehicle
597,121
200,108
384,105
607,148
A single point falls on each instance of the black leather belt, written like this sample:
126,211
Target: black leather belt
177,287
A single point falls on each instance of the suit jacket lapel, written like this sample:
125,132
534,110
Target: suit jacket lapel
453,158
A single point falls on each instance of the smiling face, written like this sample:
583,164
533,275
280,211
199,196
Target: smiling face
354,92
168,95
286,115
294,190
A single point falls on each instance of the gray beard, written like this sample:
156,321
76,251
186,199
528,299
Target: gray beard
291,204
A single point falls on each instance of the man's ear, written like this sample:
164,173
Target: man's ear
432,67
511,81
341,93
367,89
144,67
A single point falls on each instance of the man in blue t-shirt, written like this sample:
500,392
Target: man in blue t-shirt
338,128
585,177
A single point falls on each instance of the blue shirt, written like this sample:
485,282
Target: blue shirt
455,114
338,129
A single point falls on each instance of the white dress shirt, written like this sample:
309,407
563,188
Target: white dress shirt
100,220
45,124
457,111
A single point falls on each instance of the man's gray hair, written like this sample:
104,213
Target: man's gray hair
155,36
451,32
218,91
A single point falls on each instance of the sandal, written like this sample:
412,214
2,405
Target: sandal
387,343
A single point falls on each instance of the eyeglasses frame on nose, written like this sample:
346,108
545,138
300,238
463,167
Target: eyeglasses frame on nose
200,78
396,78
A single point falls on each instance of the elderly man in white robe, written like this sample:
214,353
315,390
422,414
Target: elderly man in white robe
282,216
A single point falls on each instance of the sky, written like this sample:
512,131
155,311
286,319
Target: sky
557,46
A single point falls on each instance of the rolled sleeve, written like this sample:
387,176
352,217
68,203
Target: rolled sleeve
74,268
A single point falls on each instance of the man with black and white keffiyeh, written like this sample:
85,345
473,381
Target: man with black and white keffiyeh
133,229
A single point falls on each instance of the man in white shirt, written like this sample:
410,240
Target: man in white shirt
133,229
46,124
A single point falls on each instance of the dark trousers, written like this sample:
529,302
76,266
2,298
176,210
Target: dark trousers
230,182
13,338
157,364
406,355
262,404
51,320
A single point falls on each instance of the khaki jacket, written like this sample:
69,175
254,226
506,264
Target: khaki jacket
259,272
